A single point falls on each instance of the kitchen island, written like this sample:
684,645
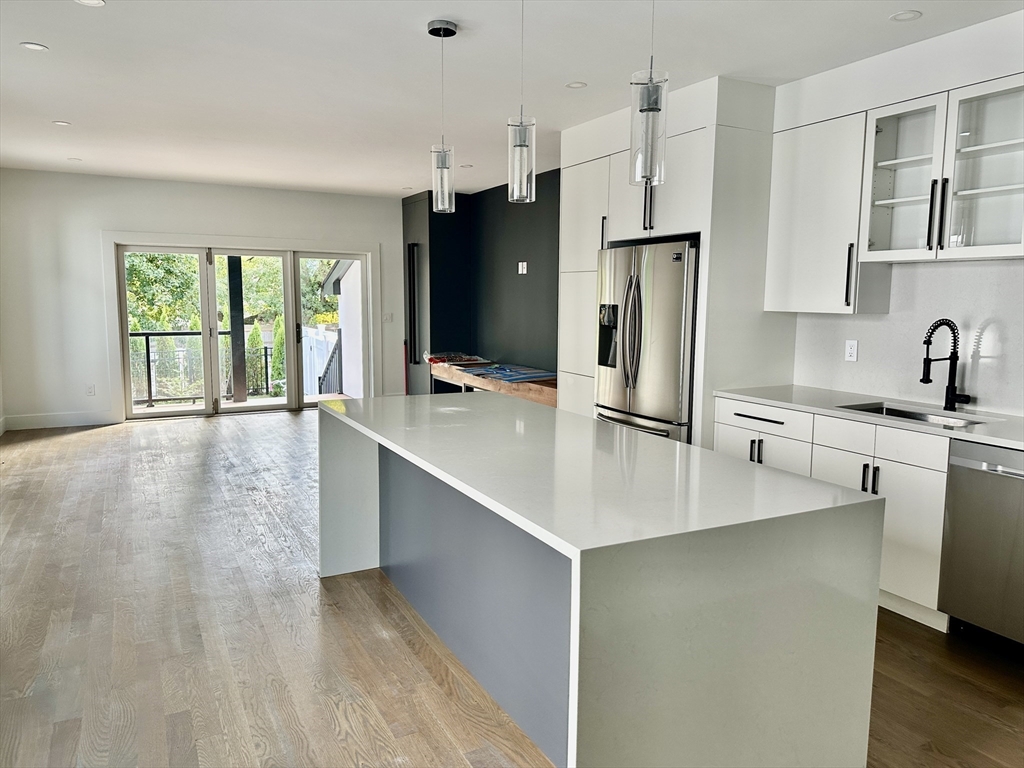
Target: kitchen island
627,599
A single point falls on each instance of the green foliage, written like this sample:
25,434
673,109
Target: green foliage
254,358
162,290
312,273
277,356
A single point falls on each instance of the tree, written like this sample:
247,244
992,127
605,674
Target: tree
277,355
254,359
162,290
316,308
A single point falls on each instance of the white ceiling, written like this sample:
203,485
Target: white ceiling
343,95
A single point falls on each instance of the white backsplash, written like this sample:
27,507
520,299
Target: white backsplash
984,298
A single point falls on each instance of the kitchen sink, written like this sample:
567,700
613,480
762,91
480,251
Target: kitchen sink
902,412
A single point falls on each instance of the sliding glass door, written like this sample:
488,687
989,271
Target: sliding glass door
211,330
251,320
164,313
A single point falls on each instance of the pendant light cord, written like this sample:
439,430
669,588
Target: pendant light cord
442,91
522,57
652,37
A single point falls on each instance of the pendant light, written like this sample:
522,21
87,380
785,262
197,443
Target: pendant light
442,156
522,135
647,124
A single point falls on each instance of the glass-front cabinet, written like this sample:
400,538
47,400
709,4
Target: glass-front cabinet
944,176
983,186
902,168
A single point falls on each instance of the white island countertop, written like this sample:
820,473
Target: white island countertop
577,483
1000,429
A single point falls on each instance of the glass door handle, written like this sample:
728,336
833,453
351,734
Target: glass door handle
942,214
931,213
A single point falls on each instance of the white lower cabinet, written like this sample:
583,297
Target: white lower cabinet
841,467
764,448
576,393
905,467
915,500
577,322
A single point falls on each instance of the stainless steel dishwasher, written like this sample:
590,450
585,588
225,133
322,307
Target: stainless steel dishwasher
982,576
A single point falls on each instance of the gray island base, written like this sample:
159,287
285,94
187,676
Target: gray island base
627,600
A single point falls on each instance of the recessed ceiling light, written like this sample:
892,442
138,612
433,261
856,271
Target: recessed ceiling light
898,16
92,3
75,159
466,165
61,122
33,46
576,84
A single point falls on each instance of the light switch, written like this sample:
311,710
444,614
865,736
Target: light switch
522,267
851,351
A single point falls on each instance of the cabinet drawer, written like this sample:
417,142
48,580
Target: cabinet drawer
844,434
796,425
914,448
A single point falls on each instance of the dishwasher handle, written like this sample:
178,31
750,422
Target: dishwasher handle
985,466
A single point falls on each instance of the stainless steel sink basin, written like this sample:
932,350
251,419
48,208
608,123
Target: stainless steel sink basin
886,409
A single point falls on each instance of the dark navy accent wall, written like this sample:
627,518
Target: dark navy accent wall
516,315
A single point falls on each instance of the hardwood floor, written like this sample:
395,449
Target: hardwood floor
159,606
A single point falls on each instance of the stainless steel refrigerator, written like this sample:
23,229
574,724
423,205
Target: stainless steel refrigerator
645,331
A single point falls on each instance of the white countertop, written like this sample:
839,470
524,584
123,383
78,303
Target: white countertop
998,429
574,482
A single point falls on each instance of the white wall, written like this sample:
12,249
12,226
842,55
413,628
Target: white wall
350,326
58,300
984,298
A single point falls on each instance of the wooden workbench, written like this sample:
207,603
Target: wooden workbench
544,391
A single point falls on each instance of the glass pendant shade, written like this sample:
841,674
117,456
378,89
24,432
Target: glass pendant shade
647,127
522,157
442,157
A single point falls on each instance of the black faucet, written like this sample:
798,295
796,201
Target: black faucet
952,397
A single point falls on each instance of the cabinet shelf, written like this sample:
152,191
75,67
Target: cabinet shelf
901,201
905,162
995,148
1008,189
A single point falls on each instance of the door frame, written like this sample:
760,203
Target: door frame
368,255
123,332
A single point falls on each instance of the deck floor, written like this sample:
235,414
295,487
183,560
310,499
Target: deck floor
160,606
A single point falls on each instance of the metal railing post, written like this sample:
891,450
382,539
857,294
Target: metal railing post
149,375
266,371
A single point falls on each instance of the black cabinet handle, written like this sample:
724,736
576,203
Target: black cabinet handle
931,212
650,209
942,214
604,225
864,477
874,480
760,451
752,450
758,418
849,273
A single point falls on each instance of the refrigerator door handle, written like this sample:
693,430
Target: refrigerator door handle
624,333
636,330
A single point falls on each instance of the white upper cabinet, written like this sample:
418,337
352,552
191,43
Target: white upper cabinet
813,218
626,203
582,215
982,190
681,204
902,174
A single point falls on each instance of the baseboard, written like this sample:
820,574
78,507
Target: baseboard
919,613
52,420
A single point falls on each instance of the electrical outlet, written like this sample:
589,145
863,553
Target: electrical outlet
388,317
90,391
851,351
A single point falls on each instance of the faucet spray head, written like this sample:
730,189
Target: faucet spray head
926,374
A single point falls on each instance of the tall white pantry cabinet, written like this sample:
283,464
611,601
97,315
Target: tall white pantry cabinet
718,156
